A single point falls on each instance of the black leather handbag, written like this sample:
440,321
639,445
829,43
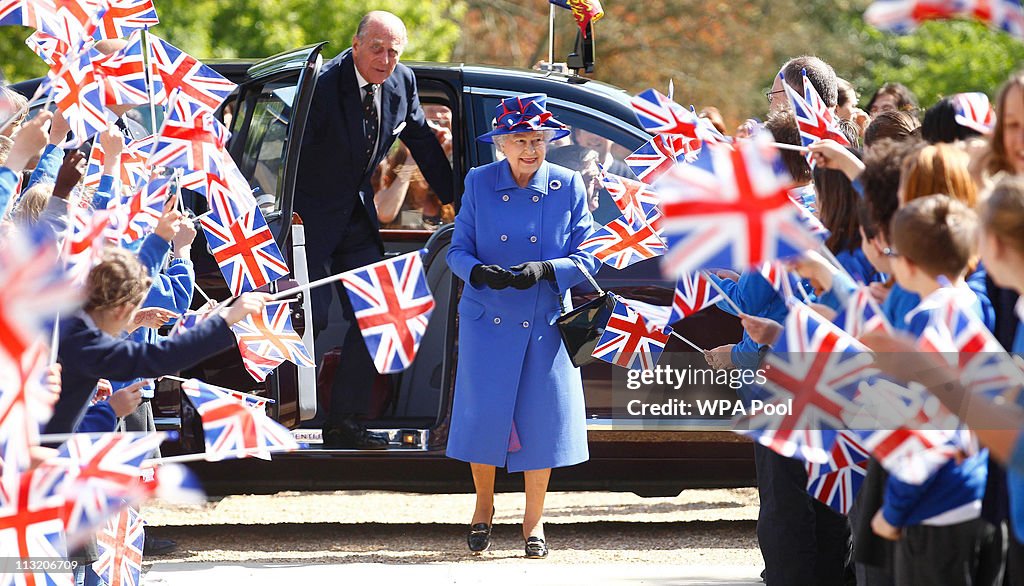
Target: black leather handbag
582,327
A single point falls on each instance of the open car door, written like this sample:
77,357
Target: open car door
267,117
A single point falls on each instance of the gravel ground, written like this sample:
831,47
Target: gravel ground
707,527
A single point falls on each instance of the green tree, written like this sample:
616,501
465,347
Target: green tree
260,28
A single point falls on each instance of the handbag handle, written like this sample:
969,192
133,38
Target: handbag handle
586,273
590,278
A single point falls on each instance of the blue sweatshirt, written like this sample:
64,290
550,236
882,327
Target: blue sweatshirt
1015,467
951,486
755,296
48,166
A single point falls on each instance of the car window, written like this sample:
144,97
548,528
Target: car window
263,156
402,195
591,139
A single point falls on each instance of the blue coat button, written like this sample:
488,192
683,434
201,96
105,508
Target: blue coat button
497,320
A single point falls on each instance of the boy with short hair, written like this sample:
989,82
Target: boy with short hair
942,538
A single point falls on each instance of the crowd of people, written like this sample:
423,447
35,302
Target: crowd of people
925,203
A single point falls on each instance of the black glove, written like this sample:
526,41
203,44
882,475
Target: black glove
493,276
529,274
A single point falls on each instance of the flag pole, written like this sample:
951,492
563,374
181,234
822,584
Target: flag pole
203,456
551,35
789,147
248,395
313,285
725,296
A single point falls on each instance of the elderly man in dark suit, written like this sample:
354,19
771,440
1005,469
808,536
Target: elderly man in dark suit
364,100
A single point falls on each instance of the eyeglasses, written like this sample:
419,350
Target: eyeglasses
770,95
890,252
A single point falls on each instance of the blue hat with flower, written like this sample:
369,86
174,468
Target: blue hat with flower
524,114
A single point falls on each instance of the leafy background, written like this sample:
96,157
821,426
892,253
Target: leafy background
717,52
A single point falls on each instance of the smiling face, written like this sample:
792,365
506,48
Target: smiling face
525,152
377,49
1013,128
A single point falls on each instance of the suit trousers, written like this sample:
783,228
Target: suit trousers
950,555
802,540
355,375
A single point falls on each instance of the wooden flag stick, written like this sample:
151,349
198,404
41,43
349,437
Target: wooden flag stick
201,292
788,147
248,395
203,456
718,288
313,285
691,344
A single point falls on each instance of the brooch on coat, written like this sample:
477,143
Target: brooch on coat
555,184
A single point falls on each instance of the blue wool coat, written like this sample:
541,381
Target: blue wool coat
512,364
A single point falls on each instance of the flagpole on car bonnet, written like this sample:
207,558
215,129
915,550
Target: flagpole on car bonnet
551,34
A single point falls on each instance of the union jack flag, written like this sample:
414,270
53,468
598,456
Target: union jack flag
84,243
814,372
393,304
862,315
658,156
227,192
812,117
140,214
779,278
79,95
49,48
629,341
907,429
125,17
25,404
184,74
974,111
188,321
100,473
30,523
122,75
621,244
738,213
693,293
34,288
245,251
230,426
190,138
268,339
658,114
634,199
77,20
133,170
837,482
38,14
119,544
903,16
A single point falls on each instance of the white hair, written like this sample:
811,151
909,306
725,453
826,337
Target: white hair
499,139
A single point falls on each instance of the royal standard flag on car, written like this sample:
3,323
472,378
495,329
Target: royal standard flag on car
392,303
584,11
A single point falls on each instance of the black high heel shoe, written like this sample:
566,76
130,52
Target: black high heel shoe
479,538
536,548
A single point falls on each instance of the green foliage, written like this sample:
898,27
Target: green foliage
260,28
941,58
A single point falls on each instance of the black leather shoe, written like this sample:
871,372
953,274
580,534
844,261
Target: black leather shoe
350,435
157,546
479,538
536,548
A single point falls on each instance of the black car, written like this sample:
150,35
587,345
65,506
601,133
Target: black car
267,117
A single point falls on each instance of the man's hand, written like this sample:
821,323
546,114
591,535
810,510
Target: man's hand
125,401
151,317
53,384
29,140
761,330
70,174
720,358
883,529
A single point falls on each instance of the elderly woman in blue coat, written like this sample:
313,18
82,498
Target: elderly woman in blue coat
518,398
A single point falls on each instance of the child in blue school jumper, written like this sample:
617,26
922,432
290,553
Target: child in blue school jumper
942,538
